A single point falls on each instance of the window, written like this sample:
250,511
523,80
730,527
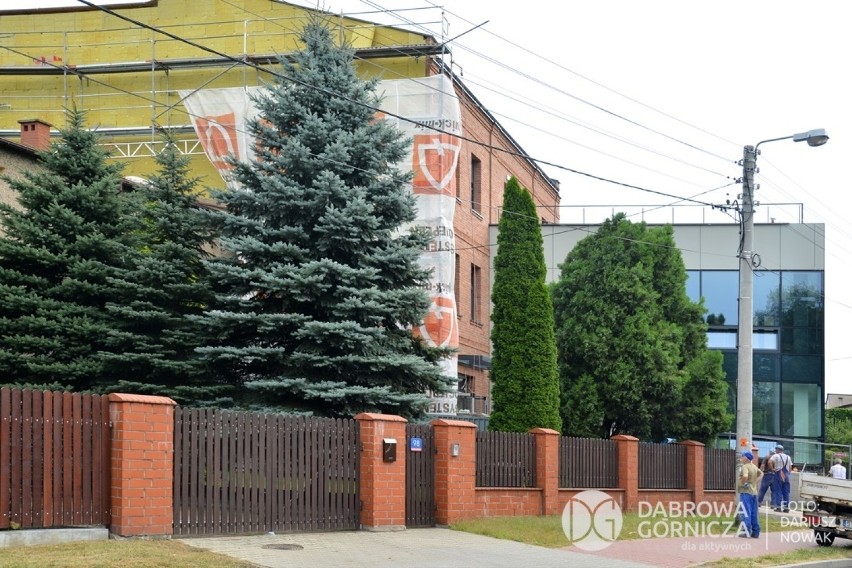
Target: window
475,184
720,291
465,384
475,293
725,339
801,410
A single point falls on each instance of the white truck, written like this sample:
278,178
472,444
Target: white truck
828,506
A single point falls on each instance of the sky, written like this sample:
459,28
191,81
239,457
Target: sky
663,95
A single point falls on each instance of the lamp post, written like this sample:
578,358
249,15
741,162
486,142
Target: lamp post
745,322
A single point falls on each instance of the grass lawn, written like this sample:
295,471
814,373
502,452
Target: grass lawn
840,549
547,531
112,553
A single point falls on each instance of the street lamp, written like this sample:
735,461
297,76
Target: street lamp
745,323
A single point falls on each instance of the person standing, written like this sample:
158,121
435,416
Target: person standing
747,484
766,482
781,464
837,471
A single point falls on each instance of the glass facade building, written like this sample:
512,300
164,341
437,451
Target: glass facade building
788,343
789,317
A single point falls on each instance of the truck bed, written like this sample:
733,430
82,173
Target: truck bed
825,489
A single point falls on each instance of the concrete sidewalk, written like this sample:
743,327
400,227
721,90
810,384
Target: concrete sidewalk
445,548
412,548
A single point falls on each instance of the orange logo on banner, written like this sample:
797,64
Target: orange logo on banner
439,326
218,135
433,162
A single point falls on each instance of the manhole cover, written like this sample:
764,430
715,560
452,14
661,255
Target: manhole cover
283,546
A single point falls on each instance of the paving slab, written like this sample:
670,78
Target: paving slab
412,548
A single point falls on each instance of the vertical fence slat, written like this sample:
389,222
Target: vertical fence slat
86,419
5,455
58,457
77,462
26,463
47,459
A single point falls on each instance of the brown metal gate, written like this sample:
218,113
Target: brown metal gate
246,472
419,476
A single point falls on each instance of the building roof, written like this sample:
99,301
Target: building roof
838,400
17,148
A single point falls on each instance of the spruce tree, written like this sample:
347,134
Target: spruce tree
321,288
58,254
153,344
525,389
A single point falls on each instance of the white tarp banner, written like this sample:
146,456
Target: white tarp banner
220,115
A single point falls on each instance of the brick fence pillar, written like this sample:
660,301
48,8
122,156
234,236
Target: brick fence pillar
547,468
628,470
455,475
142,464
382,482
694,469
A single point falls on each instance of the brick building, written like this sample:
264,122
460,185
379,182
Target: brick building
127,75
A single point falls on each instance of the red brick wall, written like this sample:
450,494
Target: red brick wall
142,464
471,229
382,483
506,502
455,476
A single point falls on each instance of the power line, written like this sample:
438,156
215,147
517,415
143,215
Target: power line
260,68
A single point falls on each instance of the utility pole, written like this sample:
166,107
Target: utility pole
746,302
745,325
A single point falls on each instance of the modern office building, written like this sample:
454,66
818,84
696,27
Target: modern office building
789,316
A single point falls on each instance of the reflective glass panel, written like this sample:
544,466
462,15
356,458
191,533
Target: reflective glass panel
765,367
720,289
729,365
765,339
802,340
801,410
802,299
766,420
766,293
801,368
722,339
693,285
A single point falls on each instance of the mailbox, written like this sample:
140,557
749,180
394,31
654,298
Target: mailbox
389,449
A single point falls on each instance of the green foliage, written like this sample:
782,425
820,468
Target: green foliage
525,389
153,344
632,346
838,426
321,289
58,256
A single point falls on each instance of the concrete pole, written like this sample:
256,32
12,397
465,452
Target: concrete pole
746,302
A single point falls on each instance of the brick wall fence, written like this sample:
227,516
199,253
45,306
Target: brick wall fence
142,470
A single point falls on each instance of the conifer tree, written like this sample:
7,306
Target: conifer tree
321,287
153,344
525,390
58,254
